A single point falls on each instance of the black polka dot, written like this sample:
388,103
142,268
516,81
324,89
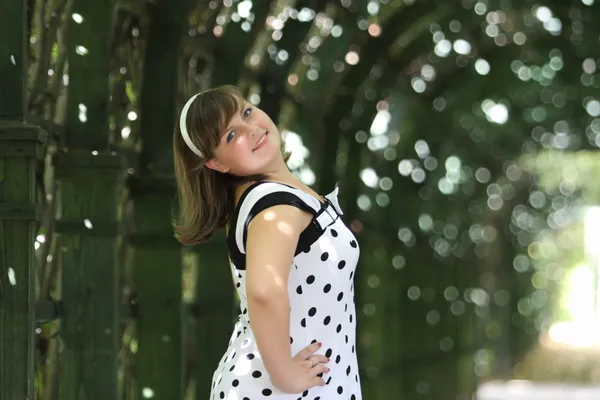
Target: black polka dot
250,356
338,329
235,383
299,289
353,397
306,250
245,398
327,320
353,243
324,256
346,308
267,392
351,275
356,378
350,318
305,393
337,359
340,296
328,353
291,340
239,333
346,338
326,288
348,371
341,264
238,284
312,312
328,380
303,322
313,341
310,279
352,348
340,390
334,233
256,374
232,368
245,311
222,395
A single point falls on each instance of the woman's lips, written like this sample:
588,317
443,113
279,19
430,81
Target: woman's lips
262,141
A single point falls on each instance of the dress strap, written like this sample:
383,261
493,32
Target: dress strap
268,194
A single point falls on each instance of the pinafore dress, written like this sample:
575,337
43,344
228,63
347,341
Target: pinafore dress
321,293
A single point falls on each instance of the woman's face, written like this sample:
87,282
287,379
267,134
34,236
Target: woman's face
250,145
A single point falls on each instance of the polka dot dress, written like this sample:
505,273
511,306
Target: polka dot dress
321,293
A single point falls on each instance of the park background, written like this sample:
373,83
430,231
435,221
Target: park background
463,136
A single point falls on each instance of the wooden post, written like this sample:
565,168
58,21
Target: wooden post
157,261
214,300
90,184
20,147
157,276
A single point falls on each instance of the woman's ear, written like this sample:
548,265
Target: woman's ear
216,166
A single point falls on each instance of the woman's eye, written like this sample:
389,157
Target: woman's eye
247,112
230,136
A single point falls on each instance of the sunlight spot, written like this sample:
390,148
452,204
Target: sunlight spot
418,85
88,223
405,167
589,66
82,51
543,14
414,293
244,8
443,48
352,58
380,123
363,202
461,46
398,262
270,215
519,38
482,67
41,238
294,145
374,30
125,132
147,393
293,79
495,112
132,116
82,113
78,18
307,176
369,177
12,59
593,108
480,8
12,276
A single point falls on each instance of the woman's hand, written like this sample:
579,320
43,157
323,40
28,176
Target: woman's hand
303,371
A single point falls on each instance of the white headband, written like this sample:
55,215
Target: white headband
184,131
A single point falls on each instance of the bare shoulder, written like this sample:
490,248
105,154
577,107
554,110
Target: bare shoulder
278,220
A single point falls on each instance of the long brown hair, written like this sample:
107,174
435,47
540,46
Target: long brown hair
206,197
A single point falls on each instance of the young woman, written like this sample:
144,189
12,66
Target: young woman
292,257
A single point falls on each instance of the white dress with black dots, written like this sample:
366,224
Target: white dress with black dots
321,293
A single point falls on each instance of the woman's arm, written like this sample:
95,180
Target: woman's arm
271,243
